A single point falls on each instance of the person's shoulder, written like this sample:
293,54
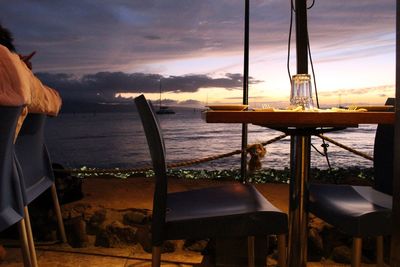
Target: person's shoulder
4,49
5,53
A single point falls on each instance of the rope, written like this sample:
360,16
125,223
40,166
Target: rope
205,159
346,147
171,165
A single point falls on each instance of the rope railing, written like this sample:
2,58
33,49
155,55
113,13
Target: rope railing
171,165
201,160
346,147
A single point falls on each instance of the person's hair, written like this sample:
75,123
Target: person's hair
6,39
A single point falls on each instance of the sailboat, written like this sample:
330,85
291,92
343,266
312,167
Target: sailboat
163,109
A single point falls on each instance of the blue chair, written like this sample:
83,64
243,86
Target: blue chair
234,210
11,200
361,211
36,170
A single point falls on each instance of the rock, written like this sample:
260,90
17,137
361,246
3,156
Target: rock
69,188
341,254
116,234
76,232
106,239
135,217
81,210
315,245
195,245
316,223
96,221
168,247
3,253
144,238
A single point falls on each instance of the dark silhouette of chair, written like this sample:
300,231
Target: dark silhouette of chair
361,211
234,210
11,200
36,170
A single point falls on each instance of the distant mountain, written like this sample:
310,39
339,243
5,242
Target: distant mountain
69,106
92,107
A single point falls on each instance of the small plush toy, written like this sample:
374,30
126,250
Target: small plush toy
256,151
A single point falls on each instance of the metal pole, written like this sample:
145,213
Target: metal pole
300,147
298,195
395,243
243,166
301,36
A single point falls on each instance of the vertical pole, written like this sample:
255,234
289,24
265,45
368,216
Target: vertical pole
298,197
243,165
300,147
395,242
301,37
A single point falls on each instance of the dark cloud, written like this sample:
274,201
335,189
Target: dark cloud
103,86
123,35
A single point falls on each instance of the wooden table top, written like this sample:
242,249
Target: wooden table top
299,119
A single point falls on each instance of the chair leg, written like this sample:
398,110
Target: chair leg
379,251
57,210
24,243
250,251
156,257
282,250
356,252
31,244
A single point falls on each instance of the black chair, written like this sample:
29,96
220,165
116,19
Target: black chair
11,200
234,210
36,170
361,211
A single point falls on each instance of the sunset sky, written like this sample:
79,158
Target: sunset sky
96,50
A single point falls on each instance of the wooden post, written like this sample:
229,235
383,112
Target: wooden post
395,243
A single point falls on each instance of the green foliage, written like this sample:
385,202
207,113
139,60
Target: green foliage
351,175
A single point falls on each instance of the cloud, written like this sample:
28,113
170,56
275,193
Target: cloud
380,91
87,36
103,86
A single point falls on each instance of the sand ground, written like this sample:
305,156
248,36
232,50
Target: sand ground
134,193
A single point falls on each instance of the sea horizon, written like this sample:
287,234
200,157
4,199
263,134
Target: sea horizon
116,140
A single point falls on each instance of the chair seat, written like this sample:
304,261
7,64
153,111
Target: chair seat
356,210
229,210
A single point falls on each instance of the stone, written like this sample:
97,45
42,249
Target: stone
82,210
96,221
195,245
135,217
168,247
75,229
341,254
69,187
3,253
144,238
315,245
116,234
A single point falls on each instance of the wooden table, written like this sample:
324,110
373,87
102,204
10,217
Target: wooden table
300,126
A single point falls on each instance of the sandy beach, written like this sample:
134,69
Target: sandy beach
136,193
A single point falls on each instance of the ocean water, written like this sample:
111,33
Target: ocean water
109,140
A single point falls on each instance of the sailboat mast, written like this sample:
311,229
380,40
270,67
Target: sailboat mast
159,107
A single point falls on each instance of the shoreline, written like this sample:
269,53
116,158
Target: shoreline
349,175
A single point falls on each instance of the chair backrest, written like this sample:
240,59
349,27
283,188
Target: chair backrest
383,156
11,205
156,145
33,157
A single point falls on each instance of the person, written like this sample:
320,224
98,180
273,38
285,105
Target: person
19,86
